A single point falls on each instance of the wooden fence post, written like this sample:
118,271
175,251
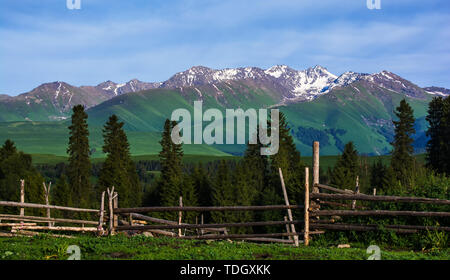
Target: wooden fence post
111,210
286,200
102,211
180,215
22,197
287,228
116,205
306,231
47,197
316,167
374,191
356,192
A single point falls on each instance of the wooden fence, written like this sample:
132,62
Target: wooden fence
27,225
316,198
115,219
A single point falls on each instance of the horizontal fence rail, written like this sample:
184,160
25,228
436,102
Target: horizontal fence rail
44,219
378,213
206,209
42,206
200,226
370,227
381,198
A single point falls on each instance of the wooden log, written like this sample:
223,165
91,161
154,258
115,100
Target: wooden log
237,236
42,206
286,201
33,233
57,228
341,204
370,227
325,187
102,213
111,210
287,228
17,224
316,147
47,196
306,214
22,196
269,240
44,219
162,232
356,192
115,206
204,209
180,214
379,213
191,226
383,198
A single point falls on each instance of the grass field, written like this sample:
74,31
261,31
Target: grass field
148,248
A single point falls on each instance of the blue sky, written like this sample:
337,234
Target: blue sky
43,41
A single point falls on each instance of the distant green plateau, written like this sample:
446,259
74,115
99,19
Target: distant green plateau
345,114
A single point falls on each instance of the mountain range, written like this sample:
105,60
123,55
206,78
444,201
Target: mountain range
319,105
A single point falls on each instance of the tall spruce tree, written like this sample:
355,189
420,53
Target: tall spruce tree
171,180
119,170
446,135
14,166
346,169
256,168
402,161
289,160
434,156
223,194
79,168
382,178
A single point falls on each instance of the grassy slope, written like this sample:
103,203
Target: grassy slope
51,138
148,248
345,109
144,114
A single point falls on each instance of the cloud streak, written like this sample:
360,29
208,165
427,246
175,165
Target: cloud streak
154,40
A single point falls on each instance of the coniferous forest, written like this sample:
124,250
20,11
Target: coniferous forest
253,179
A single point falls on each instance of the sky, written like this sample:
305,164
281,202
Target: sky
44,41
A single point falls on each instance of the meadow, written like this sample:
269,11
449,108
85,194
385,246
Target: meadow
140,247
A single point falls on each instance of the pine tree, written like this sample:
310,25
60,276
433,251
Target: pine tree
289,160
118,170
223,194
256,168
402,160
61,195
79,168
434,156
446,136
382,178
202,185
346,169
14,166
170,182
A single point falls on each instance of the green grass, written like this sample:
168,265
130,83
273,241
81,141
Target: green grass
148,248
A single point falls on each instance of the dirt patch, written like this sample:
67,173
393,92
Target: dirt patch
119,255
262,256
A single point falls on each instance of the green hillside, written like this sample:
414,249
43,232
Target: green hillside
350,114
51,138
